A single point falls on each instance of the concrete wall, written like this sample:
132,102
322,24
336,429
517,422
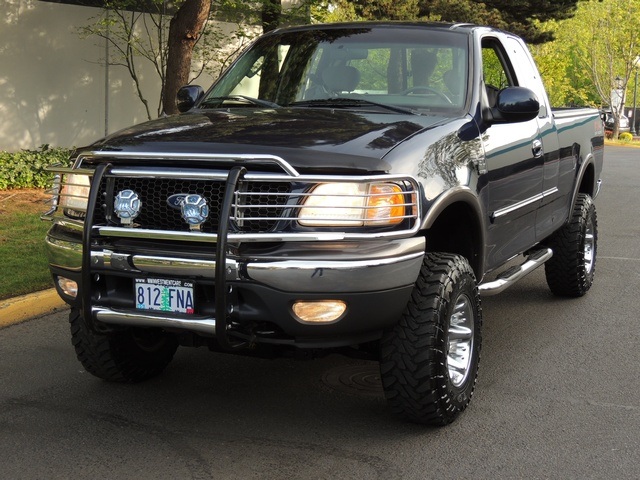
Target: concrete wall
52,82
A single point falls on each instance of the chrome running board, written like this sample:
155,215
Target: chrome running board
515,273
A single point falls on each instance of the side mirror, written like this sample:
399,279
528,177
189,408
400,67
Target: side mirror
515,104
188,96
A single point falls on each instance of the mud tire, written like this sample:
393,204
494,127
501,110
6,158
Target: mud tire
128,356
571,270
417,361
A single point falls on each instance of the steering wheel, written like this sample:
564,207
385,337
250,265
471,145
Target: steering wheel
425,89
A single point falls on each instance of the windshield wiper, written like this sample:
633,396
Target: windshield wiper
345,102
218,101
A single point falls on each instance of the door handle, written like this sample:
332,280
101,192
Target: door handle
537,149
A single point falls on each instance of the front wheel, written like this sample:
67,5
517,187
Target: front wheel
571,270
429,360
128,355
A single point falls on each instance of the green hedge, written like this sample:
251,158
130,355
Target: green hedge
26,169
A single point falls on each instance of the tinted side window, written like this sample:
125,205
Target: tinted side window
496,69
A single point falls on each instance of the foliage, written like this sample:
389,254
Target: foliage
131,35
566,81
387,9
625,137
137,34
357,10
522,17
600,43
492,69
526,17
263,12
26,169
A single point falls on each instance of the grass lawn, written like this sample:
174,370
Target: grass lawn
22,256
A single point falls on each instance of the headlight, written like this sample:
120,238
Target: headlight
353,205
74,194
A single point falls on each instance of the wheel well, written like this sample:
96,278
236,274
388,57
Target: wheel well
588,181
457,230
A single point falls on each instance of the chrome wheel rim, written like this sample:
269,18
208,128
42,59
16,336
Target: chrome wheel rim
589,249
460,341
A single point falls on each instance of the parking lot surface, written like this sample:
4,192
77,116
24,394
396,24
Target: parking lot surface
557,394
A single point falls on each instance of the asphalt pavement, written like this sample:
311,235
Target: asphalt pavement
557,394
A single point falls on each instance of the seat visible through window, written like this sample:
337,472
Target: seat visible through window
339,79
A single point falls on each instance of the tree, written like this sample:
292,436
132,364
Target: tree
185,30
354,10
271,13
522,17
138,32
525,18
566,81
120,25
605,40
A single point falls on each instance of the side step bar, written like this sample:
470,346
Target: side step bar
515,273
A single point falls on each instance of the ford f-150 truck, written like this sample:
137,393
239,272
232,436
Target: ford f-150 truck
350,188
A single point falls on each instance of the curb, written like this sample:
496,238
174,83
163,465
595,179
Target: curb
26,307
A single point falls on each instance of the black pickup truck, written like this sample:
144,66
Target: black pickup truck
350,188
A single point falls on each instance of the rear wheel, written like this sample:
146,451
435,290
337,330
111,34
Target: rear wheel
571,270
128,355
429,360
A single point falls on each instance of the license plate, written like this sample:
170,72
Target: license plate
165,295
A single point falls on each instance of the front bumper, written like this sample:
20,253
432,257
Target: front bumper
374,278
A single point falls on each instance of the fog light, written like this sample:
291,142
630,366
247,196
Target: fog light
322,311
68,287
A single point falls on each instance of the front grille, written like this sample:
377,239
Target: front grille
266,206
157,214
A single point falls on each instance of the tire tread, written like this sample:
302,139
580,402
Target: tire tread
412,369
565,272
116,357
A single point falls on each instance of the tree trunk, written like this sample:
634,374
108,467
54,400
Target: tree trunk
270,18
184,30
270,14
395,72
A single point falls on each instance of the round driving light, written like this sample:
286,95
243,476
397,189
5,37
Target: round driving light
322,311
127,206
194,210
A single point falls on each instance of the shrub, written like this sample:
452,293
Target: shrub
625,137
26,169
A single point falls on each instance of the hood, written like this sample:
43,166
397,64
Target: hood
308,139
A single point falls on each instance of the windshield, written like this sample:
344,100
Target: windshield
413,68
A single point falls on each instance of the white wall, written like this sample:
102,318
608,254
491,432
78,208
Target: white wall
52,82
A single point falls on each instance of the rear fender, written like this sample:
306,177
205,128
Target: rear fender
586,181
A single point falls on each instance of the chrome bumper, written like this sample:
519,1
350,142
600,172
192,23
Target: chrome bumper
321,268
198,324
